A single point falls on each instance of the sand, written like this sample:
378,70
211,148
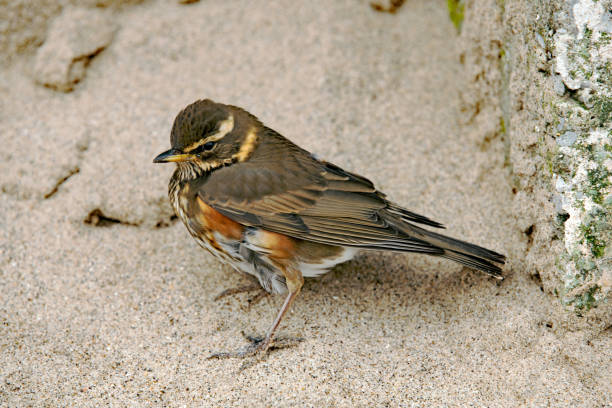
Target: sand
122,313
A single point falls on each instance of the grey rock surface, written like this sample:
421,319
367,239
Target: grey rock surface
523,58
583,58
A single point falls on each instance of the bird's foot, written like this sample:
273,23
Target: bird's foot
259,346
253,287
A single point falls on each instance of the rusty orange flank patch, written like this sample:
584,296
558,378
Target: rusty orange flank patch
214,221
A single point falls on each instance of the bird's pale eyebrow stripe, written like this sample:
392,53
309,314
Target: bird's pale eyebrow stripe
225,127
247,147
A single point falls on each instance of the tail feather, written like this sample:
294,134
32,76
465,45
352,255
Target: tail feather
474,262
462,246
467,254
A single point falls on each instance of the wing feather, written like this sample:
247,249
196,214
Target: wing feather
307,199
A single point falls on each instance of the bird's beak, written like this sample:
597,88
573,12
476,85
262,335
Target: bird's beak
172,155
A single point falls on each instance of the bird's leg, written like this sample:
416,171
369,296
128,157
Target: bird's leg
294,281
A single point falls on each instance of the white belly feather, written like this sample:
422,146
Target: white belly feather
310,270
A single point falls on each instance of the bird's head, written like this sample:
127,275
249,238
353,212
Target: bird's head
208,135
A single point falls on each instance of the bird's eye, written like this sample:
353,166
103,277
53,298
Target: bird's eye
205,147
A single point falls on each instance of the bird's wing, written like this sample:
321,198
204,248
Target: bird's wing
311,200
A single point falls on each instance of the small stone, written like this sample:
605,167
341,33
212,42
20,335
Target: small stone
558,85
564,64
561,124
567,139
540,40
557,201
73,39
561,186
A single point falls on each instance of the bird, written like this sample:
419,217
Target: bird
270,209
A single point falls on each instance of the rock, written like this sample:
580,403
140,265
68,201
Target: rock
564,66
552,69
567,139
74,37
558,85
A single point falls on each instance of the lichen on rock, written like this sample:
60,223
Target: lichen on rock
584,189
543,71
583,163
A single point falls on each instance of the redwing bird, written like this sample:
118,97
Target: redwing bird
272,210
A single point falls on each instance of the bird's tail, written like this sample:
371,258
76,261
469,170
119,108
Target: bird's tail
462,252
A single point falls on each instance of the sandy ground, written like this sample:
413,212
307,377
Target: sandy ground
122,313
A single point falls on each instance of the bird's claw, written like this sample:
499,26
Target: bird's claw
258,345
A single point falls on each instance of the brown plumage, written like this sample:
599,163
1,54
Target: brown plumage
271,209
